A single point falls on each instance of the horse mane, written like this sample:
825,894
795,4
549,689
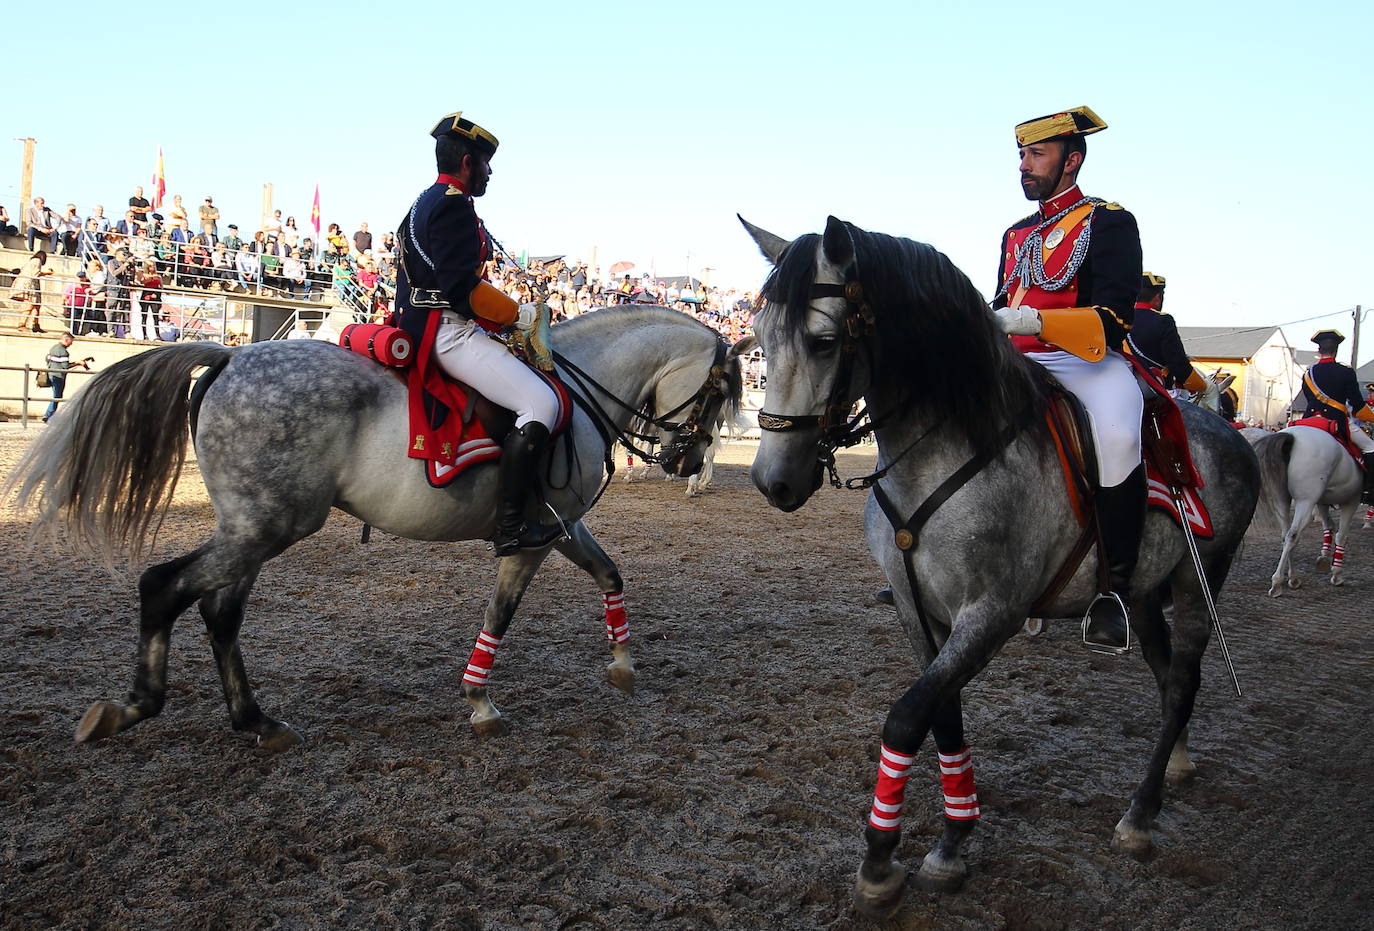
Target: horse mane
627,315
936,350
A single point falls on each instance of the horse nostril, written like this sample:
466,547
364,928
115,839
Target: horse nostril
779,494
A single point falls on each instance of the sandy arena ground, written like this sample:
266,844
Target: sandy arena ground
728,792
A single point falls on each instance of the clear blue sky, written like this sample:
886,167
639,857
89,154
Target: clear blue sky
1240,133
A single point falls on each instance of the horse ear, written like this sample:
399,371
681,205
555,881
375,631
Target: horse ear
771,246
836,243
743,346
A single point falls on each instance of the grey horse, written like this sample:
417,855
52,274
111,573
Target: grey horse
1305,470
285,431
852,314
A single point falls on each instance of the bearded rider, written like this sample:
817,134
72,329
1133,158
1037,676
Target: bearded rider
1332,391
1067,285
449,309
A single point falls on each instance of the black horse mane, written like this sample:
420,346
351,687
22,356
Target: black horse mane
936,348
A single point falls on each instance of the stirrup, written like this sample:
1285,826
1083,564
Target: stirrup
1106,625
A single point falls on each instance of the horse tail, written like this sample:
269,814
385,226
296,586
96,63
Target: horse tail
108,463
1273,452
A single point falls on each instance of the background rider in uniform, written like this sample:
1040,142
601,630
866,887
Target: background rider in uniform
1154,339
1067,283
443,246
1332,391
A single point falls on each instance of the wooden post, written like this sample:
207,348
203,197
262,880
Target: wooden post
266,207
1355,340
25,183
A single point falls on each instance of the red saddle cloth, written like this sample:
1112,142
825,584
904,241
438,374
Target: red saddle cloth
466,420
1327,425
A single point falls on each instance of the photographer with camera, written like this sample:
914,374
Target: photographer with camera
59,363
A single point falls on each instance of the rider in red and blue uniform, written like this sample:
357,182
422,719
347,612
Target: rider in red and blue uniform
448,308
1154,339
1066,291
1332,391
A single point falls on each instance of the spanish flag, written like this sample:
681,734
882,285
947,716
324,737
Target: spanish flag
315,212
159,182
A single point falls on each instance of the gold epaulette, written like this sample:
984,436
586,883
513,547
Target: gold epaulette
1111,205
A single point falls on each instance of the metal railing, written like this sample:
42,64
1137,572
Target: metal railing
25,398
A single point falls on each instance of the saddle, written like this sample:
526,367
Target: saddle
1168,464
464,427
1333,427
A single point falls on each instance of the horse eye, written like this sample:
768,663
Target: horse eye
820,345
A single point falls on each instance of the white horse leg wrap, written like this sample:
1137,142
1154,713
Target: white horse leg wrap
482,659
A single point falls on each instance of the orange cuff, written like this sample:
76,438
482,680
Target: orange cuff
491,303
1365,414
1076,330
1195,381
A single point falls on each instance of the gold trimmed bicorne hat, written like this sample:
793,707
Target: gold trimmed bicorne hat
454,125
1079,121
1328,334
1151,280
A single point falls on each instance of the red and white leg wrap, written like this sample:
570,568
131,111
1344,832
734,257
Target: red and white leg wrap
1326,542
1338,557
893,770
482,659
956,778
1369,514
617,625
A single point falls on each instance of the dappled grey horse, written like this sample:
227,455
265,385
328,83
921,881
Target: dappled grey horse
1305,470
852,314
285,431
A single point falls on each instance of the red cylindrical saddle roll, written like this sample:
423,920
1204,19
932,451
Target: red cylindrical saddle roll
388,345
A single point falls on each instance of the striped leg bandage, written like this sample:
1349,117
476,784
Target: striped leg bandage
956,779
1326,542
1338,557
482,659
617,625
893,770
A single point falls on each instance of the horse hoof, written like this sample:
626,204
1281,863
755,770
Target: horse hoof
880,899
1295,583
1337,580
101,720
622,678
1034,626
491,727
278,736
1275,589
1180,775
937,875
1135,843
1323,563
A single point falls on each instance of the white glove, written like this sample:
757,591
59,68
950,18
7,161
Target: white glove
526,317
1018,321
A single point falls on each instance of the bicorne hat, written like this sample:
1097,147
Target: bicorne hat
1323,335
454,125
1079,121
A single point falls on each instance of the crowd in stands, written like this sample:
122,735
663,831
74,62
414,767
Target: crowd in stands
148,249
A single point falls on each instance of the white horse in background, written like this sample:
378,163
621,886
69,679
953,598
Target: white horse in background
1307,470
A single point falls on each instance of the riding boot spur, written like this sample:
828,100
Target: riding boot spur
1121,516
1368,496
517,479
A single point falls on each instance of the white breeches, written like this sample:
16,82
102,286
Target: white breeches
1109,392
466,352
1360,438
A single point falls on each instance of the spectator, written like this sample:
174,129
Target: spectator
221,266
138,205
337,245
362,240
69,228
100,296
247,269
177,214
273,226
181,232
290,236
129,226
167,331
91,243
98,215
75,297
149,286
209,219
27,289
142,247
59,364
270,262
121,272
6,227
367,283
195,261
42,224
293,275
167,255
232,241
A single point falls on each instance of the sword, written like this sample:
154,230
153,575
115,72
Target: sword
1176,492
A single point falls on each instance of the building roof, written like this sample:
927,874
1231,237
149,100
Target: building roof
1365,373
1221,342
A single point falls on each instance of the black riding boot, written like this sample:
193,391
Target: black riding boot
1121,515
517,479
1368,496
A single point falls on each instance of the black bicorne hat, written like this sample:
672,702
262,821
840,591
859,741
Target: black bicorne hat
454,125
1323,335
